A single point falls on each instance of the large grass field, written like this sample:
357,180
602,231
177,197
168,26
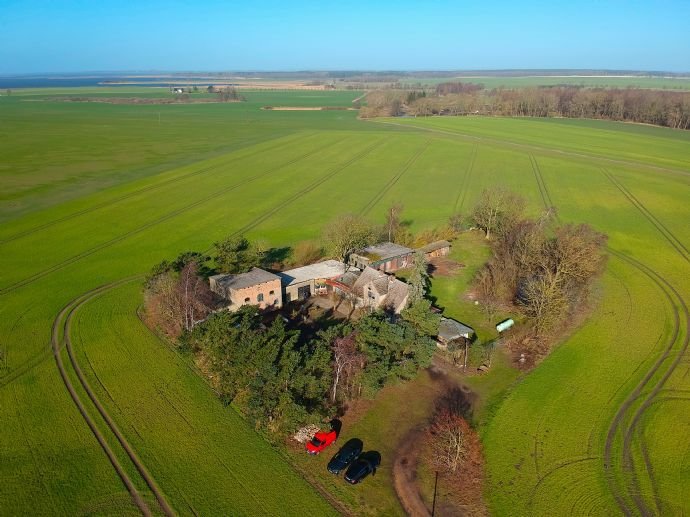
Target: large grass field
107,196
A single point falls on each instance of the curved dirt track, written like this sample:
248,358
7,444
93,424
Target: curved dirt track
404,475
61,335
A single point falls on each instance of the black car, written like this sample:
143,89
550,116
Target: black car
346,455
366,464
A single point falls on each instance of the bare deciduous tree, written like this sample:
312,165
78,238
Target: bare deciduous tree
347,361
346,234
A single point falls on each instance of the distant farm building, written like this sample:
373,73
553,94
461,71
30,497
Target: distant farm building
450,330
257,287
436,249
302,282
386,256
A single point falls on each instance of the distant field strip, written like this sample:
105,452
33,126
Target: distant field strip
148,189
166,217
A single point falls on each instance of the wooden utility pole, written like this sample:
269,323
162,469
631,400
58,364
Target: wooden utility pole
433,504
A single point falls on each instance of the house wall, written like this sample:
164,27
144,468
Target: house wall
292,291
271,291
395,263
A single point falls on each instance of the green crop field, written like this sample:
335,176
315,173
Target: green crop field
94,194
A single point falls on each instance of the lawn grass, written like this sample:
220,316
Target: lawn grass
282,177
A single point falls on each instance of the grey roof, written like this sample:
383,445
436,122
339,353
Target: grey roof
349,278
385,250
435,246
397,295
325,269
243,280
368,275
450,329
394,290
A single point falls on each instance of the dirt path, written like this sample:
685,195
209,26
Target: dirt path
405,474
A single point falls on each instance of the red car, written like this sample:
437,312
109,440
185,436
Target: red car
321,440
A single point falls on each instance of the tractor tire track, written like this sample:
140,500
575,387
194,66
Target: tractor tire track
543,191
136,461
410,161
151,224
628,465
38,359
669,292
464,187
330,174
530,147
661,228
58,334
142,190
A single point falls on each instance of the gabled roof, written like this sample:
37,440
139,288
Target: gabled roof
368,275
325,269
395,291
434,246
243,280
450,329
384,251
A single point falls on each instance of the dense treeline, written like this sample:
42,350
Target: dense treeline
280,380
657,107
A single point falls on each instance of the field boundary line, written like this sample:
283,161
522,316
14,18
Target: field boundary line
60,327
169,181
464,187
155,222
379,195
545,150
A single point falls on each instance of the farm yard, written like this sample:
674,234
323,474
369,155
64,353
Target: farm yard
605,414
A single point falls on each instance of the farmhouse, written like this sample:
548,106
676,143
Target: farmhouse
257,287
450,330
302,282
377,290
385,256
436,249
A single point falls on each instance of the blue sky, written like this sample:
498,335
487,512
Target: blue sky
77,36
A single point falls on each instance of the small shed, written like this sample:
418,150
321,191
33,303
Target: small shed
450,330
435,249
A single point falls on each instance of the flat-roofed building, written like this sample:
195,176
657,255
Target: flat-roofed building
302,282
